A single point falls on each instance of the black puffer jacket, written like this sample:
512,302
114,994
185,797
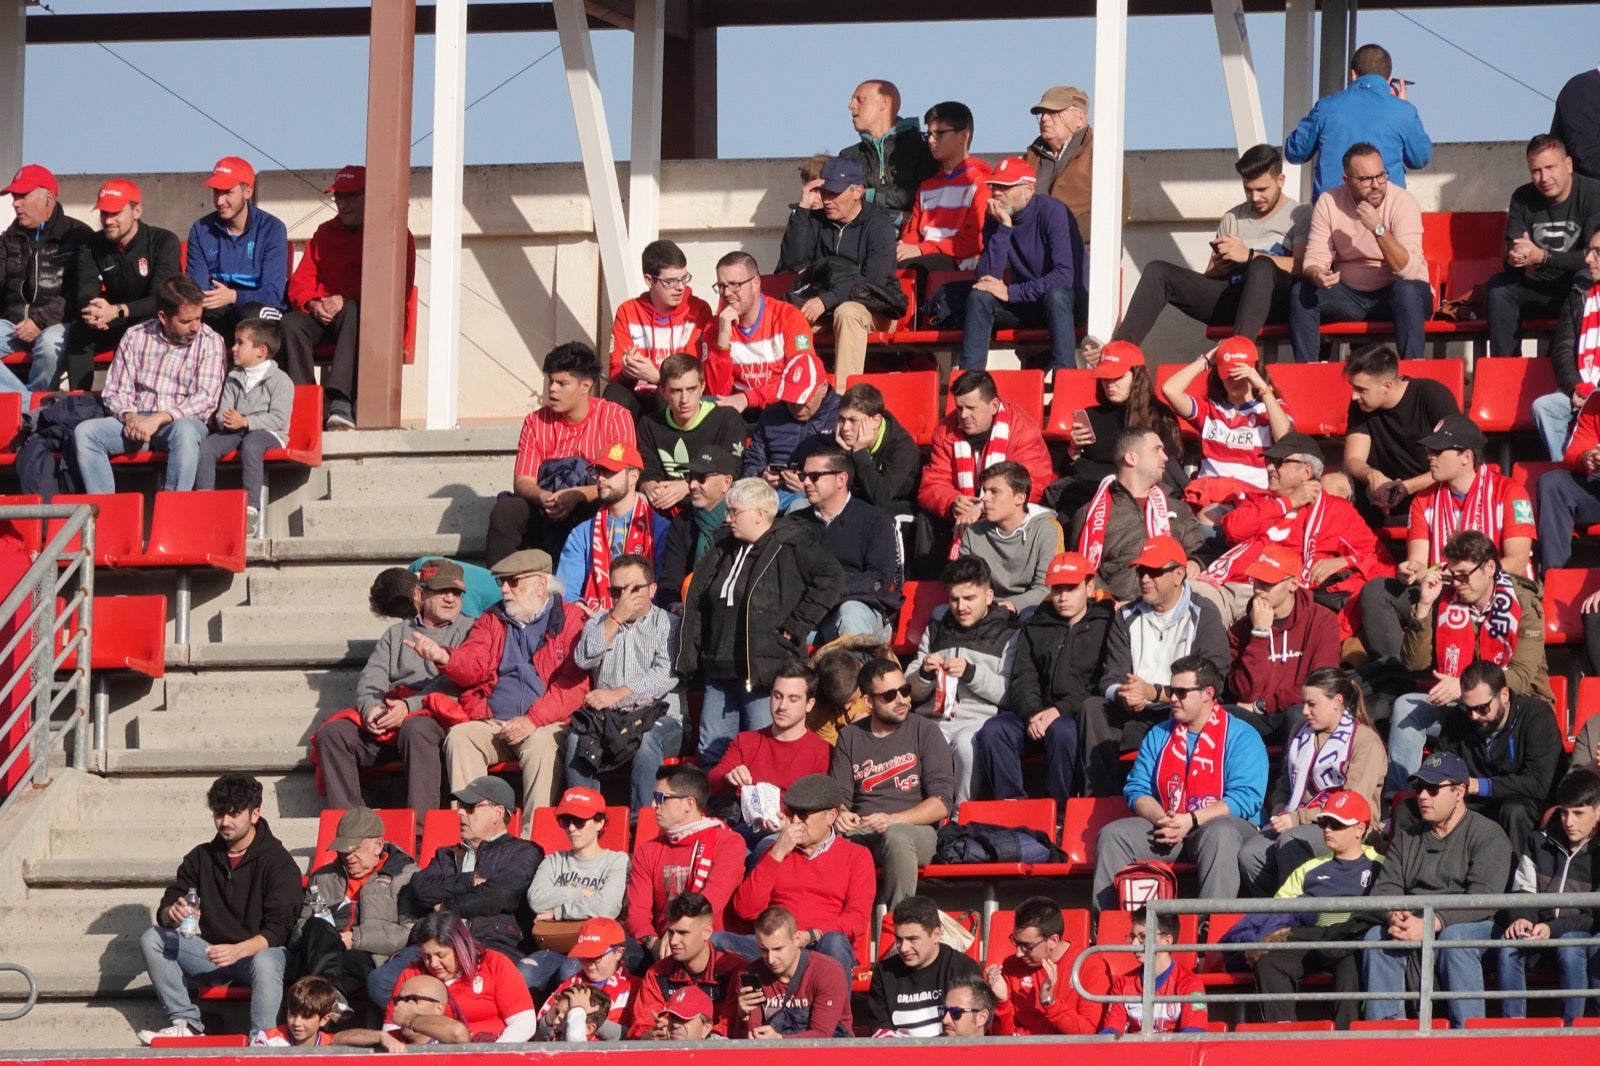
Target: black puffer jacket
895,170
38,271
789,583
1056,662
867,240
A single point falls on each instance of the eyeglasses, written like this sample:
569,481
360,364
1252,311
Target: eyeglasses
1381,178
513,580
1286,459
814,476
1461,577
1440,451
958,1012
726,288
619,591
934,135
1182,692
1591,251
1155,571
412,997
468,808
658,798
571,821
1020,946
1477,708
672,283
888,695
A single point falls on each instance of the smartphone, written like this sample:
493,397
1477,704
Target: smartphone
1080,420
750,982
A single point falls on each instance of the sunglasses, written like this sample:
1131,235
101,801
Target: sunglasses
412,997
512,580
958,1012
1460,577
1154,571
1181,692
571,821
658,798
814,476
619,591
889,694
1434,790
1477,708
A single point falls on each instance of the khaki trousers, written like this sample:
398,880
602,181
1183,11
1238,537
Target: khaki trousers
472,747
851,324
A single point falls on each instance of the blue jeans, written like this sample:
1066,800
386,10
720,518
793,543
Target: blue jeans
1579,968
1565,501
728,711
1055,311
664,739
381,981
1459,969
169,958
543,970
46,348
100,438
998,749
835,945
1411,723
1552,417
1405,303
850,618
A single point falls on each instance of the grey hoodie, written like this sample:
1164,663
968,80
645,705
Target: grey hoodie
1018,560
267,404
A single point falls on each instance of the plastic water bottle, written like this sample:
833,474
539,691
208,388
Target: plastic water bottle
319,906
189,928
577,1025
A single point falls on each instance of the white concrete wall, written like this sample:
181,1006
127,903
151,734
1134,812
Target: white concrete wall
531,267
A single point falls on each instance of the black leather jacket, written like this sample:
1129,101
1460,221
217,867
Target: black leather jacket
38,270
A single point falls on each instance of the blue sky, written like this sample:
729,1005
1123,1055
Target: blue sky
302,103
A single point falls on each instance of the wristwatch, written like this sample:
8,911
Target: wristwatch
1379,230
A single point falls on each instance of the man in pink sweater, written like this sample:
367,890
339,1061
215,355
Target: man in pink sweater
827,882
693,853
1363,260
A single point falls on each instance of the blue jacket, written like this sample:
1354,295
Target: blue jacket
572,569
256,262
1244,769
779,440
1042,248
1366,111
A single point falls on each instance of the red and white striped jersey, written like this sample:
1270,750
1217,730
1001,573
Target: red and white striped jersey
1233,438
753,362
639,325
948,215
547,436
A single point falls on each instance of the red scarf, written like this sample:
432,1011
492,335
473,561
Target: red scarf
1231,564
1092,543
640,540
1588,343
968,464
1478,511
1189,769
1461,634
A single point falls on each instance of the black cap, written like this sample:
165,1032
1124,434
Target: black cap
1455,431
715,459
1293,444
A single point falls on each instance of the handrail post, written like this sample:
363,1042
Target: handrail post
44,631
1147,1001
81,678
1425,979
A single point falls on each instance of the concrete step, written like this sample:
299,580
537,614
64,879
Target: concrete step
90,964
247,625
335,518
384,481
104,1023
68,914
312,652
498,439
112,842
181,801
272,728
168,761
386,547
270,691
94,874
311,585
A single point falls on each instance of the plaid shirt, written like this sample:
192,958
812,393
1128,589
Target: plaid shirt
151,374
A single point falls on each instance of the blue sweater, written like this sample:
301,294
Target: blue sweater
256,262
1244,769
1041,247
1366,111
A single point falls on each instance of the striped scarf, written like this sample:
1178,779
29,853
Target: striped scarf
1189,768
1318,770
1588,346
1242,555
639,540
969,465
1478,511
1092,542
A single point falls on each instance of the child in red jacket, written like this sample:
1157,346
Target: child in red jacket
1171,980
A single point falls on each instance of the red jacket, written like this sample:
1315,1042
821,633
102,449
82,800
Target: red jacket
1585,433
332,265
938,493
661,870
639,325
1023,1015
1265,518
666,976
1273,669
832,892
475,665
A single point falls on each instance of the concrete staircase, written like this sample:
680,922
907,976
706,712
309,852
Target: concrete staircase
272,652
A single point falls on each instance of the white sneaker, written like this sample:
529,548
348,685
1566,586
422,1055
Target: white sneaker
253,525
179,1028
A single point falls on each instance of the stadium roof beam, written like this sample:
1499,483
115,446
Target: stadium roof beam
13,53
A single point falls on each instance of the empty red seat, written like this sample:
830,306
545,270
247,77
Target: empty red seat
1503,391
1564,593
305,430
1070,390
1081,824
127,633
921,597
913,399
10,426
645,827
202,1040
1317,395
399,829
30,529
198,529
118,526
442,829
1395,1025
1318,1025
1451,373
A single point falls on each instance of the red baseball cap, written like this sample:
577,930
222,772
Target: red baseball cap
350,179
1162,552
1117,358
1236,350
32,177
619,456
116,194
1013,170
596,937
1347,808
1068,568
580,803
230,171
1275,563
690,1001
803,375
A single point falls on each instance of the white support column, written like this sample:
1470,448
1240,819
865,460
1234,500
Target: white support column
594,142
644,167
1105,234
1239,74
1299,77
13,67
444,272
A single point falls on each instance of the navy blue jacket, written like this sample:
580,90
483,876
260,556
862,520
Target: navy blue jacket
780,440
1042,248
256,262
861,537
497,910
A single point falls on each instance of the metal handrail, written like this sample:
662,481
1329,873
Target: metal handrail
1426,906
33,992
57,634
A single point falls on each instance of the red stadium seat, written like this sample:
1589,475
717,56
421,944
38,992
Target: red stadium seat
1075,931
913,399
305,430
1586,706
1561,705
645,827
1116,926
1451,373
1513,1023
1196,389
10,426
1526,477
921,597
549,836
1503,391
1023,388
968,920
1564,593
1070,390
1322,1025
127,633
1037,814
198,529
1317,395
118,526
1393,1025
442,829
30,529
399,829
1081,824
